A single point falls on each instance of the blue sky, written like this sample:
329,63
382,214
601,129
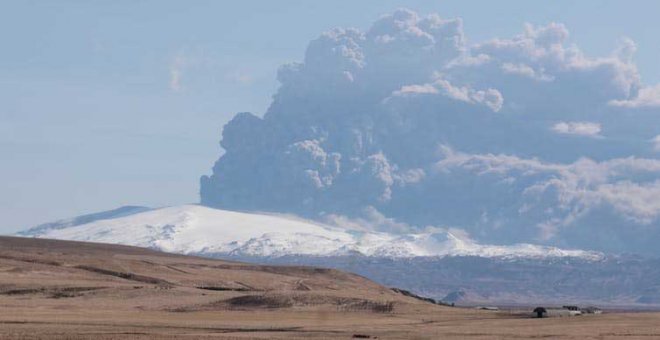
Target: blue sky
108,103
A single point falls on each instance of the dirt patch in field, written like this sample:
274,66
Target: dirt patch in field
126,276
280,301
50,292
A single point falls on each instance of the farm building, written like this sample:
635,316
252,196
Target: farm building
543,312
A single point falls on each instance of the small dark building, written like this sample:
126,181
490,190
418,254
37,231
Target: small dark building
540,312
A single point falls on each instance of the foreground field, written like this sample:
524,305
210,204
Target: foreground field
72,290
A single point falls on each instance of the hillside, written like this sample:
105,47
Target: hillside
436,263
72,290
49,269
44,282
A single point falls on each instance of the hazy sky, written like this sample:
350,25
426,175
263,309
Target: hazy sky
109,103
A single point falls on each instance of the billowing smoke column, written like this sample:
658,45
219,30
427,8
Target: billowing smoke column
513,140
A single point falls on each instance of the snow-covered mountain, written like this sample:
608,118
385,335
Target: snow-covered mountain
436,264
83,219
194,229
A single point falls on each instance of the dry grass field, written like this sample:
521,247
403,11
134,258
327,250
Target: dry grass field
71,290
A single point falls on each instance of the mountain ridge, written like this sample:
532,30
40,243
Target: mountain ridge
198,229
431,264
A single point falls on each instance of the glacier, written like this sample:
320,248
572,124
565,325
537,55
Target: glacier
196,229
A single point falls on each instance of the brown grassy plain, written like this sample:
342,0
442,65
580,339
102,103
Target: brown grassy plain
72,290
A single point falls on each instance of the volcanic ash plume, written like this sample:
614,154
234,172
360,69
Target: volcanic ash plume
513,140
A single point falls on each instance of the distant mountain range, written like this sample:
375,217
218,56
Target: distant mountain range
437,264
202,230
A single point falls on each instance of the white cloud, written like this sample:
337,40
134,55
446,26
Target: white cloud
559,196
176,72
647,97
543,55
489,97
241,77
371,220
626,50
526,71
588,129
417,89
656,143
192,66
640,203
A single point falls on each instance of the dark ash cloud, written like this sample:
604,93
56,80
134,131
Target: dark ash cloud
524,139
